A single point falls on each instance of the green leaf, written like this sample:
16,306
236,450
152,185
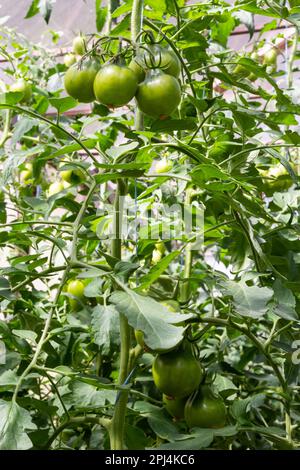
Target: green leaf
105,327
14,422
33,9
284,302
155,320
85,396
101,14
45,7
63,104
248,301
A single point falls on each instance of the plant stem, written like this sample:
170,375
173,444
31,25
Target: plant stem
5,133
117,425
185,286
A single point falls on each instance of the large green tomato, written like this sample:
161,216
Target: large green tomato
76,289
174,406
159,95
115,85
22,86
177,373
79,81
205,409
79,45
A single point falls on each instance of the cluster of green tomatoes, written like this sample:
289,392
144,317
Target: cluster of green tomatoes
151,77
179,375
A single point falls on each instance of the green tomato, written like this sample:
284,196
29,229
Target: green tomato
177,373
138,69
69,60
139,336
174,406
22,86
115,85
159,95
156,256
72,176
26,175
167,61
205,409
79,81
160,246
163,166
76,289
55,188
172,305
240,71
275,179
270,57
79,45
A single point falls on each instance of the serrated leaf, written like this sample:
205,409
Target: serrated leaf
248,301
105,326
284,302
63,104
101,14
155,320
14,422
88,397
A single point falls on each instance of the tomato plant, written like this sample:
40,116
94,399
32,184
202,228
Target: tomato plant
149,229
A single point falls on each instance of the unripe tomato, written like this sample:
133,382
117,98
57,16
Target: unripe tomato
76,289
240,71
115,85
174,406
138,69
139,336
177,373
205,409
26,175
160,246
171,305
79,45
159,95
22,86
163,166
270,58
79,81
275,179
69,59
55,188
156,256
167,61
72,176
